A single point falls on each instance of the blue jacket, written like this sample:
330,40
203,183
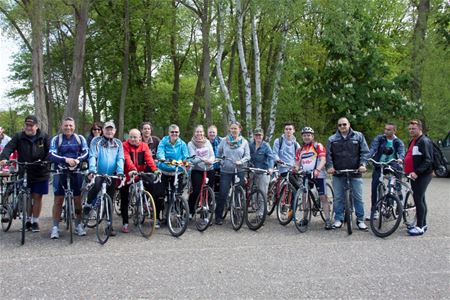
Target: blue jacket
69,148
262,157
106,156
378,144
167,151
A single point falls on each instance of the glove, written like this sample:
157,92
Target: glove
132,173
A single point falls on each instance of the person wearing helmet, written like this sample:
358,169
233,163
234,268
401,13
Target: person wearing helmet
311,158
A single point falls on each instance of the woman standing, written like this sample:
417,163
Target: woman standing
96,130
236,151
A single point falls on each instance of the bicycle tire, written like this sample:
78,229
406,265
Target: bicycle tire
409,210
302,211
178,216
284,207
330,197
272,197
237,208
104,219
348,211
389,209
204,210
23,198
7,212
147,215
68,217
226,208
255,210
116,202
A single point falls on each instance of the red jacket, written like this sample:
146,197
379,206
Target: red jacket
137,158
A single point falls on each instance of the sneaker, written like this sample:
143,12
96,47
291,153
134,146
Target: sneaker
35,227
425,228
361,225
125,228
55,233
190,217
158,224
415,231
79,230
337,224
28,226
328,225
376,215
219,221
112,232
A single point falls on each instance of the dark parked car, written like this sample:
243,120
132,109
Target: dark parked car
444,145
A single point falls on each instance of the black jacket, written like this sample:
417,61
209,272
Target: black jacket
422,156
30,149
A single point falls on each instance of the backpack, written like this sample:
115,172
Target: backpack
439,159
281,143
60,139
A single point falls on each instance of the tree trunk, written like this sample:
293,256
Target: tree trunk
245,75
81,17
276,84
176,65
257,74
125,69
206,59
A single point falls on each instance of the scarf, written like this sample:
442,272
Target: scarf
234,143
199,143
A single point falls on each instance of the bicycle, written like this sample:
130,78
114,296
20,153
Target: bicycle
21,205
178,208
8,193
205,205
68,206
141,204
255,210
285,202
307,202
274,191
348,197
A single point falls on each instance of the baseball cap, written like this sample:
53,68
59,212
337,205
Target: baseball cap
258,131
109,124
31,120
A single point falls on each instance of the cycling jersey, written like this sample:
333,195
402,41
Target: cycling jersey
310,156
106,156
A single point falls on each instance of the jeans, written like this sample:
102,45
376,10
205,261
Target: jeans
226,180
339,183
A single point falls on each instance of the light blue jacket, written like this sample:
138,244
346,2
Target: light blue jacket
106,156
167,151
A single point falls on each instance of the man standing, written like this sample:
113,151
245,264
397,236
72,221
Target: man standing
147,137
384,148
419,165
31,144
67,150
347,149
284,150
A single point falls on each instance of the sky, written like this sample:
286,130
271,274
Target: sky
7,48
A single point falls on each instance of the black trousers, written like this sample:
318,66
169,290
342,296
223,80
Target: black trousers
419,187
196,180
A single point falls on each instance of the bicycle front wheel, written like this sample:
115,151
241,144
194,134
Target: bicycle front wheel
330,198
271,197
178,216
409,210
116,202
146,212
25,204
284,207
68,217
348,211
6,212
104,218
389,210
204,208
237,208
255,210
303,207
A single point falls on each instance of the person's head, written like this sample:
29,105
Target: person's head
134,137
199,132
212,132
31,125
415,128
2,132
96,129
343,125
174,132
258,134
289,129
235,129
389,130
146,129
109,130
68,126
307,135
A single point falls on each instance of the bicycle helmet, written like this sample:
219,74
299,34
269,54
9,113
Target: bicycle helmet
307,130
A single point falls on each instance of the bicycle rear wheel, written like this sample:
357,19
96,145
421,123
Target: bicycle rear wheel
104,218
255,209
330,198
348,211
271,197
146,212
204,208
302,211
68,217
409,210
178,216
116,202
237,208
284,207
389,209
6,212
25,204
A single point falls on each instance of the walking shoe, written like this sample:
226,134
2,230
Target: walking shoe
79,230
158,224
35,227
112,232
125,228
28,226
337,224
219,221
190,217
328,225
425,228
361,225
415,231
55,233
376,215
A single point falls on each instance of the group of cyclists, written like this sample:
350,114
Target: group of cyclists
142,152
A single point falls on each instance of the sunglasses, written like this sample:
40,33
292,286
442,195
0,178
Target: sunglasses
174,132
342,124
96,129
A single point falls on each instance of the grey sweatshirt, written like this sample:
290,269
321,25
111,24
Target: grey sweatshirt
241,153
206,153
